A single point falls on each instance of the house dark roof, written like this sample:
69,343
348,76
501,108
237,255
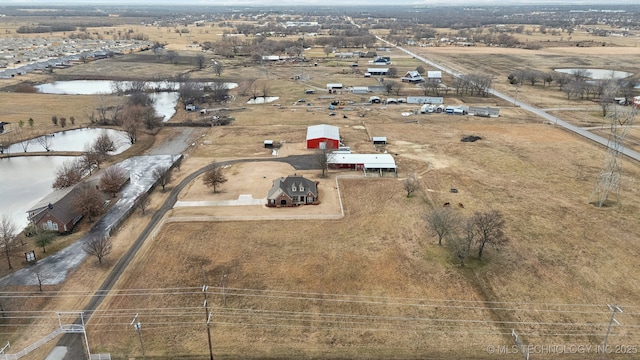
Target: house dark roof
59,203
288,184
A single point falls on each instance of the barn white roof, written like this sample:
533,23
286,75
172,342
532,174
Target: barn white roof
370,161
323,131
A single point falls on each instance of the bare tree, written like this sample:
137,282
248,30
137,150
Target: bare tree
90,158
89,201
131,119
392,72
113,179
200,61
54,120
488,228
398,89
172,56
328,49
442,222
389,86
607,91
99,246
323,156
68,174
63,121
219,91
151,119
218,68
214,177
103,145
161,175
532,76
8,232
25,144
143,203
411,184
40,276
460,242
45,142
44,238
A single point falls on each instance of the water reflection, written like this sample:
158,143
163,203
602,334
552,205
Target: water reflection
72,140
24,181
164,100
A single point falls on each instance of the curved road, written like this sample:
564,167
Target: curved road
75,342
582,132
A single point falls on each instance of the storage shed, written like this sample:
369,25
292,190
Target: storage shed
379,140
323,137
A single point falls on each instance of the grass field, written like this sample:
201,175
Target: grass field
375,284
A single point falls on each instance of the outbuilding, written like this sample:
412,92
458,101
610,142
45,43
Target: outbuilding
268,144
323,137
379,140
377,71
434,76
368,163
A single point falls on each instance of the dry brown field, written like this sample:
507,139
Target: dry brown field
375,284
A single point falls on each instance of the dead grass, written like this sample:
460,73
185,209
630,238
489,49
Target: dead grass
375,284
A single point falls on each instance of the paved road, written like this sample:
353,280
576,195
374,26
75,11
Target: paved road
74,342
575,129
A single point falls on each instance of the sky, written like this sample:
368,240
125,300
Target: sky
313,2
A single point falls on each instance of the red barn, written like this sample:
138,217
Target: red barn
323,136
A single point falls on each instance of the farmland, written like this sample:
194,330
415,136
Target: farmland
373,283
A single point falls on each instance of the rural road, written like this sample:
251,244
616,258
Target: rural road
543,114
74,342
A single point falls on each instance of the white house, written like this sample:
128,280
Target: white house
412,76
434,76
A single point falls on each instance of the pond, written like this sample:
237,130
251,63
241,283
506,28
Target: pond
24,181
598,74
164,100
71,140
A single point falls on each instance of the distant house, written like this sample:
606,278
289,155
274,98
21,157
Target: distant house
293,190
412,76
434,76
381,60
323,137
333,86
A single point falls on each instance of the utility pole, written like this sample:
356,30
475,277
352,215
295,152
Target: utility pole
224,293
137,326
614,309
207,314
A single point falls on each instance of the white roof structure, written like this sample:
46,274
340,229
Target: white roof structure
334,86
434,74
323,131
379,138
370,161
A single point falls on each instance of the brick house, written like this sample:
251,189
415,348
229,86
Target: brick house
293,190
